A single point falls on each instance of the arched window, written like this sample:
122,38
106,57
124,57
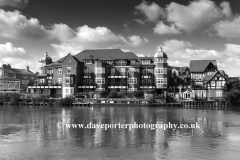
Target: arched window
87,72
146,72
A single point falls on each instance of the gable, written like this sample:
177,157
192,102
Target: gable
69,60
210,67
201,65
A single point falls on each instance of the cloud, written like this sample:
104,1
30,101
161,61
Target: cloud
126,26
177,63
8,50
18,62
62,32
232,50
14,25
139,21
184,50
162,29
14,3
99,37
140,55
16,56
197,15
151,11
228,28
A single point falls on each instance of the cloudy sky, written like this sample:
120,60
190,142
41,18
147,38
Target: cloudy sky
186,30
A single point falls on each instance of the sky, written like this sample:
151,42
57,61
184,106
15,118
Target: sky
185,29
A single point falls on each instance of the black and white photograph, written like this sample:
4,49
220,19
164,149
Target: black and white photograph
119,79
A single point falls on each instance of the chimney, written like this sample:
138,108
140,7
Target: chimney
27,68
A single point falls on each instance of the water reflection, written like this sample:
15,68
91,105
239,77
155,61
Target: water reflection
32,132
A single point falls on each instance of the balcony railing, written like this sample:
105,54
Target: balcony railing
118,74
86,84
120,64
147,84
117,84
45,84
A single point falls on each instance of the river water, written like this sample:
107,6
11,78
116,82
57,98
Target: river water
32,133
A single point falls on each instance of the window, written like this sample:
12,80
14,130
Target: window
14,75
72,90
71,79
67,80
161,60
161,71
59,70
133,61
41,71
161,80
121,61
219,84
123,69
59,80
132,81
132,89
100,80
146,61
67,91
131,69
146,72
122,81
219,93
88,61
50,71
122,90
98,70
69,70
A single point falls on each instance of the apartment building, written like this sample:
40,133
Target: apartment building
102,69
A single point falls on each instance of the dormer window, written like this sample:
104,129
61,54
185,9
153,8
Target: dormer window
88,61
146,61
133,61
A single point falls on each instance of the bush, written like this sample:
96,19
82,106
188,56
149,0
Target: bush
138,94
64,102
6,98
113,94
14,99
120,95
103,94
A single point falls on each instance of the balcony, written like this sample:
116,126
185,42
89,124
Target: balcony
86,85
117,85
147,85
118,75
87,75
45,85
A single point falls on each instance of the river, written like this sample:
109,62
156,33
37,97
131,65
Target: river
34,133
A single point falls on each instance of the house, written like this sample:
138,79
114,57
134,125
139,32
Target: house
102,70
25,76
215,84
199,70
8,86
180,82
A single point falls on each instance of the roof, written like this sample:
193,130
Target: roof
21,71
201,65
209,77
102,54
160,54
8,78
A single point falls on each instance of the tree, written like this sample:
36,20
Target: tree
113,94
231,91
138,94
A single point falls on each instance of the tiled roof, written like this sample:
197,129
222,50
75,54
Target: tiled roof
21,71
209,77
8,78
101,54
201,65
